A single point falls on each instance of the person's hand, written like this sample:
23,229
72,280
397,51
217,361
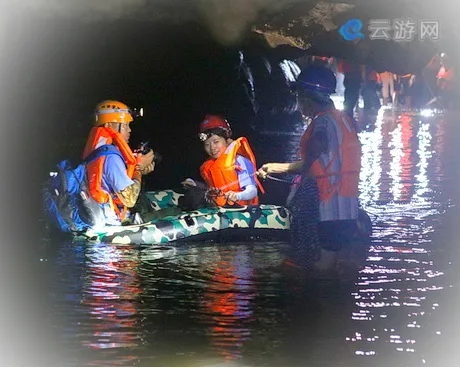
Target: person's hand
264,171
148,169
145,163
188,183
232,196
144,159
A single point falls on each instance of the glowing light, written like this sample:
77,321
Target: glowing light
338,101
371,166
427,113
399,157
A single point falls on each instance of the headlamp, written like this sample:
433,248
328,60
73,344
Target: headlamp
135,113
203,136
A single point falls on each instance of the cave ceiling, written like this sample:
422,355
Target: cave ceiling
310,26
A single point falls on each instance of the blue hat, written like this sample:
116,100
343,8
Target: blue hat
317,78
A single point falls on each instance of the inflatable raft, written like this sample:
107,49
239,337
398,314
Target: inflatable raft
203,224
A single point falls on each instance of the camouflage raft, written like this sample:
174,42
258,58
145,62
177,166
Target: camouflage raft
202,224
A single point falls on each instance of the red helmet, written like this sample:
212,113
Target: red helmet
215,121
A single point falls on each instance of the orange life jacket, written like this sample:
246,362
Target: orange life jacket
344,66
325,59
349,154
222,172
448,76
97,137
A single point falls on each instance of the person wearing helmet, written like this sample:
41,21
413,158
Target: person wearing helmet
115,180
330,166
231,165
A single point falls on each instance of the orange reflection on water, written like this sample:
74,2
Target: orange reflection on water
227,303
111,291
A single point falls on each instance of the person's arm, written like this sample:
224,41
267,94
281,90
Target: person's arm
318,144
284,168
250,192
280,168
118,181
245,172
247,182
129,195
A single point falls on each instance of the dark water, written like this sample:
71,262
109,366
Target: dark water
209,304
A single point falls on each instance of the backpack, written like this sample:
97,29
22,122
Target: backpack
67,202
194,197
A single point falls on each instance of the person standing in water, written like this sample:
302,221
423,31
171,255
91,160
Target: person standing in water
326,202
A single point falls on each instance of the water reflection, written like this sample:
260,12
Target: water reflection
111,293
203,299
227,304
401,280
104,285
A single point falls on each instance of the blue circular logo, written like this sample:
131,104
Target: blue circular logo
351,30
